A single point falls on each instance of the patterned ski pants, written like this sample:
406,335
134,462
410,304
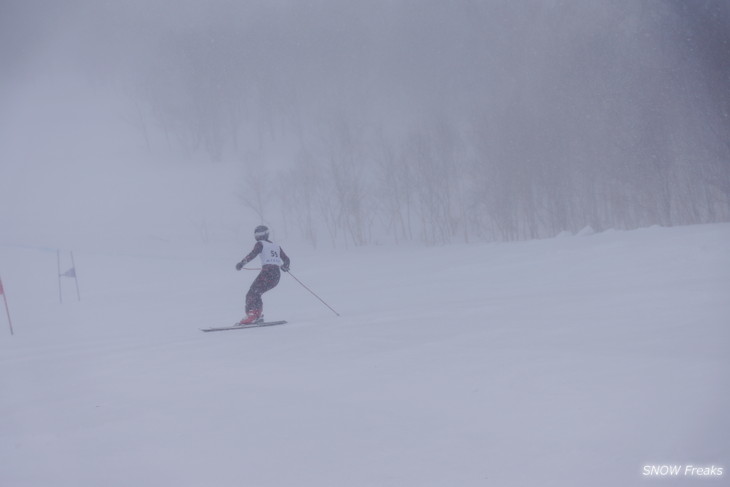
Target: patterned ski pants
267,279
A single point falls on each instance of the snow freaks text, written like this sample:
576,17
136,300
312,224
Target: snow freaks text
682,471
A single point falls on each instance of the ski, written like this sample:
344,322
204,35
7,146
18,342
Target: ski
241,327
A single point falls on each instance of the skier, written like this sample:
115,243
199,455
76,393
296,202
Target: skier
273,259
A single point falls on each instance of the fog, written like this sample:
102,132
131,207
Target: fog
344,123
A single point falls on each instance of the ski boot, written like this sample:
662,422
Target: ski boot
252,317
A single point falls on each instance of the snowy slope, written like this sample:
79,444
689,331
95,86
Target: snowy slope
570,361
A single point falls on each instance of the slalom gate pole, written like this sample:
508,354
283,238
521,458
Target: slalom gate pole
7,310
58,262
313,293
73,266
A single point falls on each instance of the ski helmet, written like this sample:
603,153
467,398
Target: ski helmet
261,232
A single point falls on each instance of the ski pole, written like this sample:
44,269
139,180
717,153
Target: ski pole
313,293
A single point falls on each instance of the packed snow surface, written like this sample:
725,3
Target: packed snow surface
571,361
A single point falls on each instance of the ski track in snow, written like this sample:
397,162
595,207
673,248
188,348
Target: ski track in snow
569,361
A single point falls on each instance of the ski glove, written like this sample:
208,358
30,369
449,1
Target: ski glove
285,268
239,266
